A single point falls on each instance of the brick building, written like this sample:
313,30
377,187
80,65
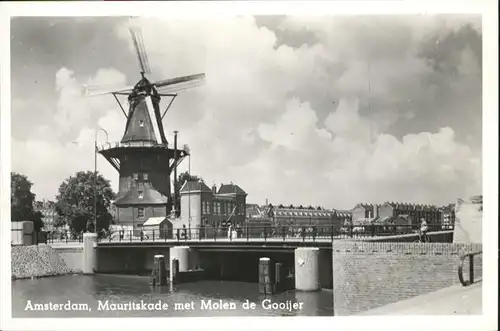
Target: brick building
448,215
214,207
299,215
363,212
48,210
344,216
413,212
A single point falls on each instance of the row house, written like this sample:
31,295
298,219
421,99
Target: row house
364,212
302,216
448,215
413,212
343,217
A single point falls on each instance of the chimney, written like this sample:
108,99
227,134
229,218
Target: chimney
267,202
214,189
175,167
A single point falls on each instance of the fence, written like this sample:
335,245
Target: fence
64,237
265,233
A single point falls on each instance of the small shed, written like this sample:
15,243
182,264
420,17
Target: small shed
159,227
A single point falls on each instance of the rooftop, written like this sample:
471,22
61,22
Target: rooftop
135,197
231,189
194,186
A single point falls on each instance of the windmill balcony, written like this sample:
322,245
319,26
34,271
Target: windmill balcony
138,144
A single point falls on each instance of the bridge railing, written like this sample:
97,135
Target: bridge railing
472,275
64,236
264,233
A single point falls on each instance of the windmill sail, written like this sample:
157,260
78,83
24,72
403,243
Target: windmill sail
154,120
140,50
144,119
179,80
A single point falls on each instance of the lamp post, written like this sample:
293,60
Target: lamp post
189,200
95,174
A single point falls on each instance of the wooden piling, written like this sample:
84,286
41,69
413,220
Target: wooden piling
266,277
158,275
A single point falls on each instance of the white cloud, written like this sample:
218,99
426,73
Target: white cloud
248,125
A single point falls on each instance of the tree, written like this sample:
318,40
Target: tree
182,178
21,207
75,202
59,221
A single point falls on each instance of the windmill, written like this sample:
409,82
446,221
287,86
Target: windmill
143,157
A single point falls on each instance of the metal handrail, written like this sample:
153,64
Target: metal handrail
246,232
265,233
471,268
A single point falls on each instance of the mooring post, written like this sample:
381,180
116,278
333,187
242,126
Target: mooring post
278,277
174,271
89,253
307,269
158,275
265,276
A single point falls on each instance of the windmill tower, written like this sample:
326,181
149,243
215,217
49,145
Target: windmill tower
143,157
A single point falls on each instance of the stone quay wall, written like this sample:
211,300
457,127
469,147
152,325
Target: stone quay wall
367,275
40,261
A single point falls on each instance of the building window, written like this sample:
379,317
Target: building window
135,176
145,176
140,212
140,194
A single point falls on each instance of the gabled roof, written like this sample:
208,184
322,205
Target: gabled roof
150,196
365,206
152,221
253,210
231,189
304,212
194,186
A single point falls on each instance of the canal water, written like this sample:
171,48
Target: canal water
132,296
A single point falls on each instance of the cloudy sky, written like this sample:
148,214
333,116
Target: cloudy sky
327,111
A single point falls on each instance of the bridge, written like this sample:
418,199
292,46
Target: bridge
235,256
377,258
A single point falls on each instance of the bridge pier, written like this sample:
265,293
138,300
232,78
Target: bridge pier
89,253
187,257
307,273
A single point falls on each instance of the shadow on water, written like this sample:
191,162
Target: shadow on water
126,288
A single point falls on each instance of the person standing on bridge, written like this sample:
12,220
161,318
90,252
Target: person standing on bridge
423,229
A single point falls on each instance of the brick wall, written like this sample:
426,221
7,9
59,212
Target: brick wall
368,275
435,237
128,216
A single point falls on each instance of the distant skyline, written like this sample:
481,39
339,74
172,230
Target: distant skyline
329,111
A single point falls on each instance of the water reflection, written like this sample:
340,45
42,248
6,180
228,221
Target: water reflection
124,289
